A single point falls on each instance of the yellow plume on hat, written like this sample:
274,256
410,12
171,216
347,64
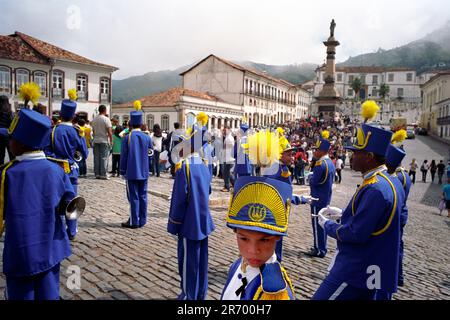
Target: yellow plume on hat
137,105
30,91
369,110
264,148
399,136
280,131
72,94
325,134
203,118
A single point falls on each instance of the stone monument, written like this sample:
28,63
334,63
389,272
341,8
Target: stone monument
329,98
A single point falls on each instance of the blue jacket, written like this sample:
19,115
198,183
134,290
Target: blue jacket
65,140
242,162
321,182
189,214
35,236
369,233
134,155
273,280
405,180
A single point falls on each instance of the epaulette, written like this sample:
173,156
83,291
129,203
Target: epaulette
285,174
62,163
373,179
318,163
79,130
178,165
274,283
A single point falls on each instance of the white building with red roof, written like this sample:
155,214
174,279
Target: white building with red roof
24,58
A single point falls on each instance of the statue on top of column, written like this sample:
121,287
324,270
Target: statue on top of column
332,26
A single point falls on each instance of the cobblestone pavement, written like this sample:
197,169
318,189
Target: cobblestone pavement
119,263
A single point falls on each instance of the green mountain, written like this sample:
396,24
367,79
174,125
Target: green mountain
430,52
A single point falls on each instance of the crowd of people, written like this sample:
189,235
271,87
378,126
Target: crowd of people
258,165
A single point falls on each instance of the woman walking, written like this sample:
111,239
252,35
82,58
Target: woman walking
424,169
412,170
433,169
157,145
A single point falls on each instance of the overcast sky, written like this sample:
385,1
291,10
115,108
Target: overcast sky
139,36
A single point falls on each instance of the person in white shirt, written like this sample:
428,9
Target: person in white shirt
227,158
339,167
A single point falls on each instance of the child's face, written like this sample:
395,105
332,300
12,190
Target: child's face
256,247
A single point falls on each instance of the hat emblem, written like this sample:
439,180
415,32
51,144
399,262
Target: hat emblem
257,213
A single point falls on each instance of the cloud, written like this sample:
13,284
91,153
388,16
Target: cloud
140,36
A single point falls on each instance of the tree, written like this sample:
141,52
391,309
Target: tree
384,90
356,86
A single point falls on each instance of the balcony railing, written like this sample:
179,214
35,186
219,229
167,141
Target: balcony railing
442,121
82,95
104,97
57,93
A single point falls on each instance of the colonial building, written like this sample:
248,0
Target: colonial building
24,58
265,100
436,105
403,82
183,105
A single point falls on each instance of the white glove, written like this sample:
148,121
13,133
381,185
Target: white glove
307,199
331,212
322,219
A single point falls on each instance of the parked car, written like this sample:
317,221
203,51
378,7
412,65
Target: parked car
410,134
422,132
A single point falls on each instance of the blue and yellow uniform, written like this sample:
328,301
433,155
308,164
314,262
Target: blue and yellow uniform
394,157
259,204
321,185
190,218
369,233
32,188
134,167
65,141
242,165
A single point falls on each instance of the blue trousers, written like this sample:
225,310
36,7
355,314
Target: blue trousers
137,197
42,286
193,268
320,236
72,225
331,289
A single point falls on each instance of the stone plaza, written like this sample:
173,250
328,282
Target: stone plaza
118,263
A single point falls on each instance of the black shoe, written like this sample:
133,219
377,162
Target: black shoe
313,253
71,238
128,225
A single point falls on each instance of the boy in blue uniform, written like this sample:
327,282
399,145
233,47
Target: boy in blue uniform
394,157
259,213
321,184
32,188
135,170
189,215
369,233
66,141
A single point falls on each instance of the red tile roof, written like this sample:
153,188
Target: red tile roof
14,49
168,98
241,68
22,47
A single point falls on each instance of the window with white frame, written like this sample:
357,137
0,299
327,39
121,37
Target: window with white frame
41,80
390,77
400,92
165,122
409,77
350,79
5,80
150,121
82,82
57,83
374,79
339,77
22,76
350,92
104,89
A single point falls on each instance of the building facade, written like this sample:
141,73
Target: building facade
24,59
403,83
182,106
264,100
436,105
